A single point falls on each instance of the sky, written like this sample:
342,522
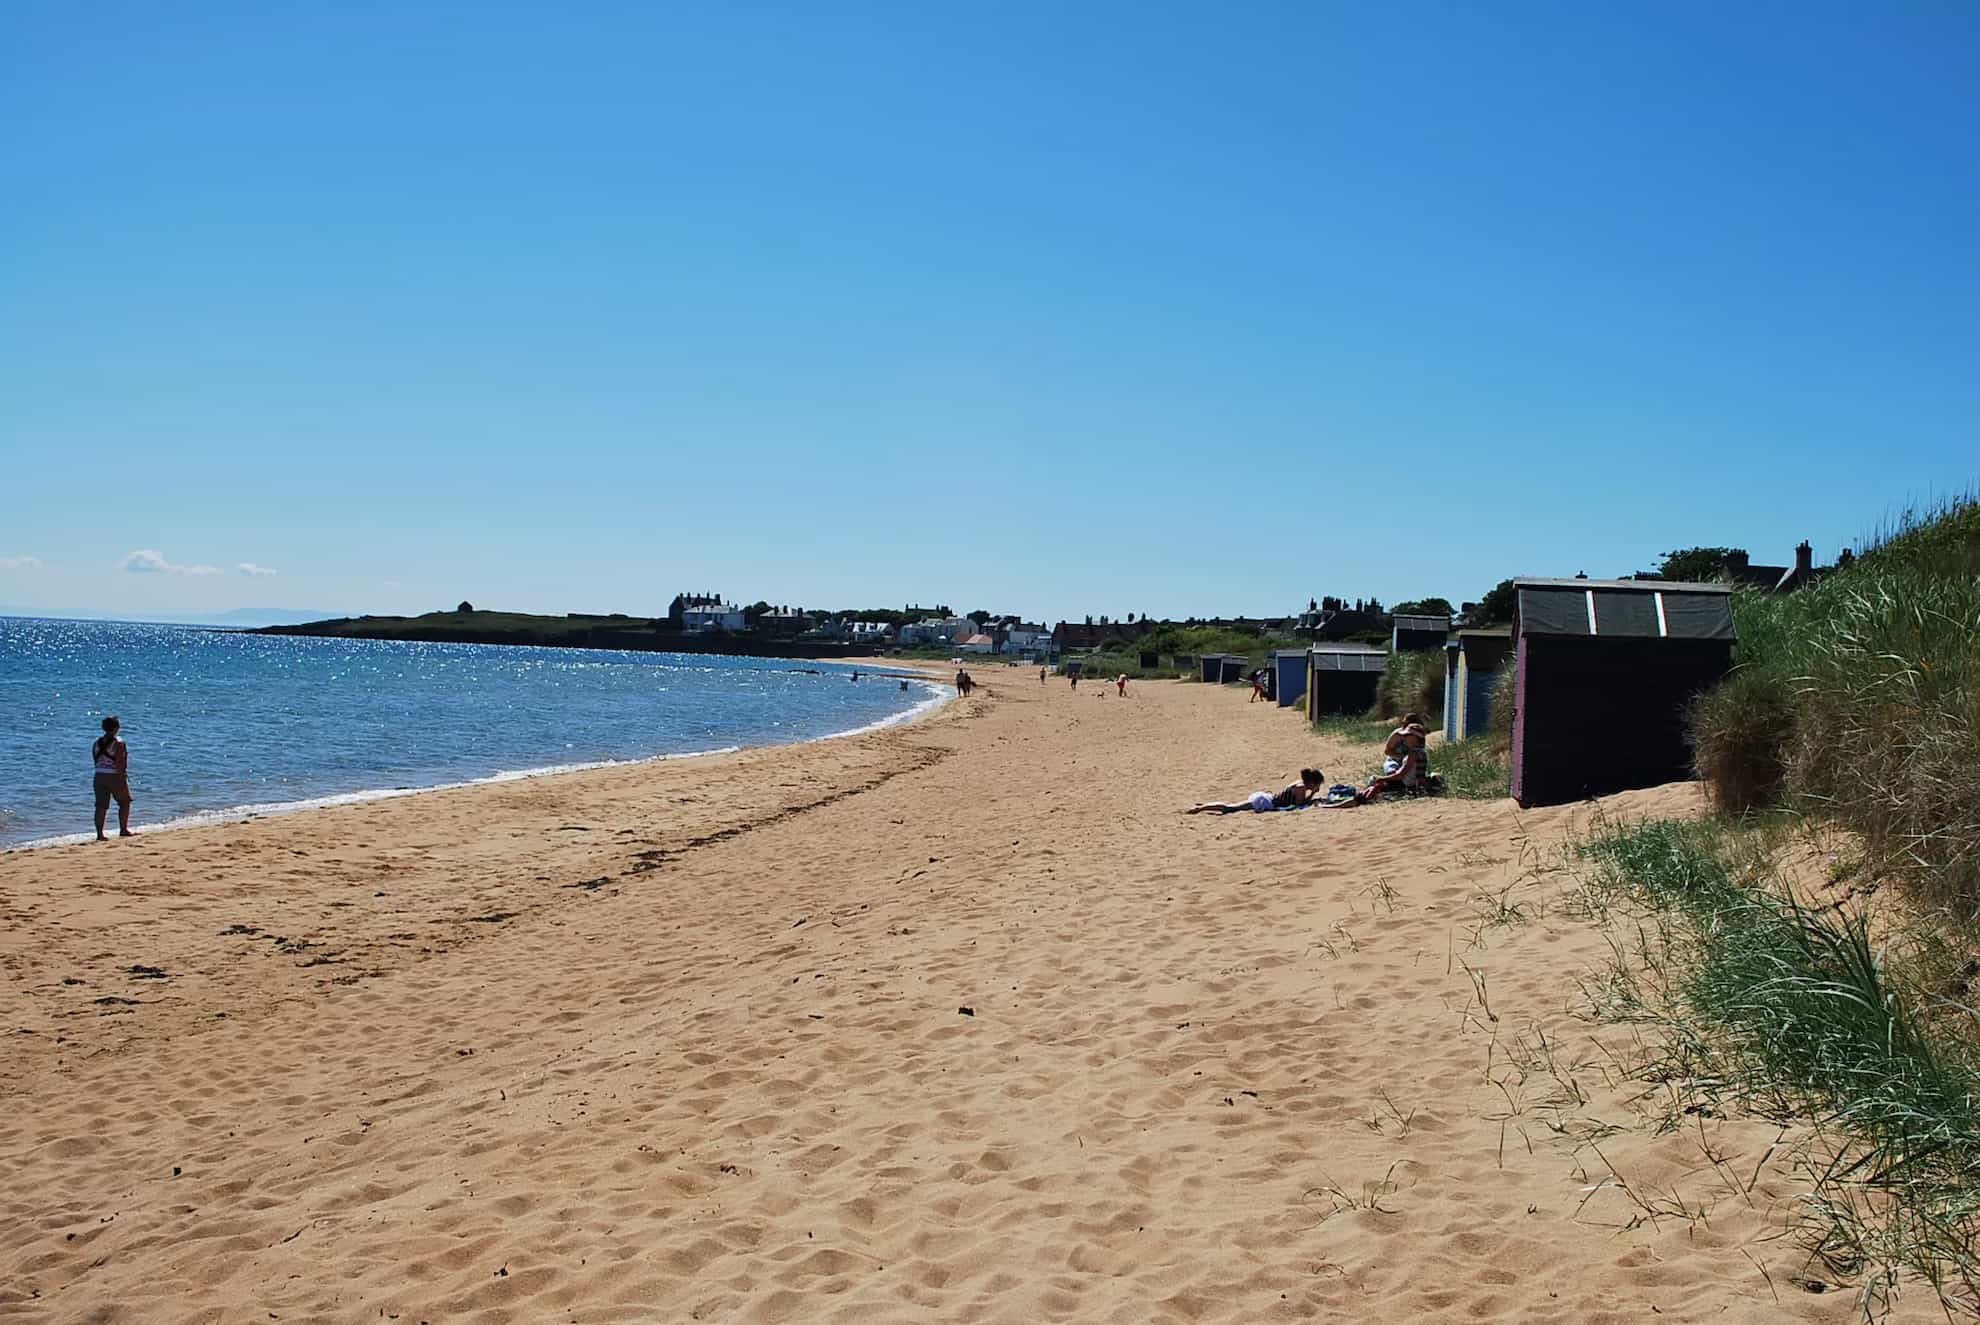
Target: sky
1042,308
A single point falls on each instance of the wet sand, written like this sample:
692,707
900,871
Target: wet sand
955,1021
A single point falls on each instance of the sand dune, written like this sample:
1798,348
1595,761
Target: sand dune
961,1021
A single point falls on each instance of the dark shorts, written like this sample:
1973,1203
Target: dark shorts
109,787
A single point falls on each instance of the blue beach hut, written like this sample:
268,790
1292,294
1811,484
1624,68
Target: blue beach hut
1211,666
1289,667
1233,667
1450,691
1477,655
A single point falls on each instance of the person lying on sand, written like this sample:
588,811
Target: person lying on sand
1290,797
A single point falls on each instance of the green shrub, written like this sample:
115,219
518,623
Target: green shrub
1414,683
1741,731
1499,724
1870,681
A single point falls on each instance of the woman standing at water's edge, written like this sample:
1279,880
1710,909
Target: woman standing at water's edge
113,778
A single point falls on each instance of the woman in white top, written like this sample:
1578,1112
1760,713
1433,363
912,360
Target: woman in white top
113,778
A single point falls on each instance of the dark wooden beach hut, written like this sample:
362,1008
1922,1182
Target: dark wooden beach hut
1476,658
1416,633
1603,671
1234,668
1289,671
1341,678
1211,668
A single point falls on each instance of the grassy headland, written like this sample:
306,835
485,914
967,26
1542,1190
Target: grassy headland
573,631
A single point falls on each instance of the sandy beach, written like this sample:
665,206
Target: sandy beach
954,1021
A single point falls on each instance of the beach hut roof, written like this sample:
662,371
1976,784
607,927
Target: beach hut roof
1641,609
1430,623
1290,653
1349,658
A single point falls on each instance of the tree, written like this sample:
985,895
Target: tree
754,612
979,616
1496,607
1699,563
1425,607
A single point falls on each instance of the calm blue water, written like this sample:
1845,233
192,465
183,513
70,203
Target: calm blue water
217,722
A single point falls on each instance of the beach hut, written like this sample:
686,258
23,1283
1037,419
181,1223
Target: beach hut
1212,668
1150,661
1450,691
1475,659
1418,633
1234,668
1289,675
1603,671
1341,678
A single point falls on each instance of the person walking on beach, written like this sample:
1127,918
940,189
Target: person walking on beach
113,778
1120,684
1041,676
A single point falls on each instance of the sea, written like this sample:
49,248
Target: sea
226,725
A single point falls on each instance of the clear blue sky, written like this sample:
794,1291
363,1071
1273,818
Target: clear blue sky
1052,308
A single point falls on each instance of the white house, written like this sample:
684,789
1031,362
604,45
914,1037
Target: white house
870,632
938,630
1025,637
977,644
704,617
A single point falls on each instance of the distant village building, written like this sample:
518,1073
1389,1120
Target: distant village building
1775,579
708,613
932,631
1337,623
783,622
977,644
685,602
1024,637
1069,635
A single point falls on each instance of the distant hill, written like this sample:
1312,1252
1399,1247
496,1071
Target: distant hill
573,631
262,616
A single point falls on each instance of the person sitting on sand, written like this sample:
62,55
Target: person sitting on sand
1292,796
1392,749
113,778
1411,773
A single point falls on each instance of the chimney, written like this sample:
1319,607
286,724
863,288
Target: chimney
1804,558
